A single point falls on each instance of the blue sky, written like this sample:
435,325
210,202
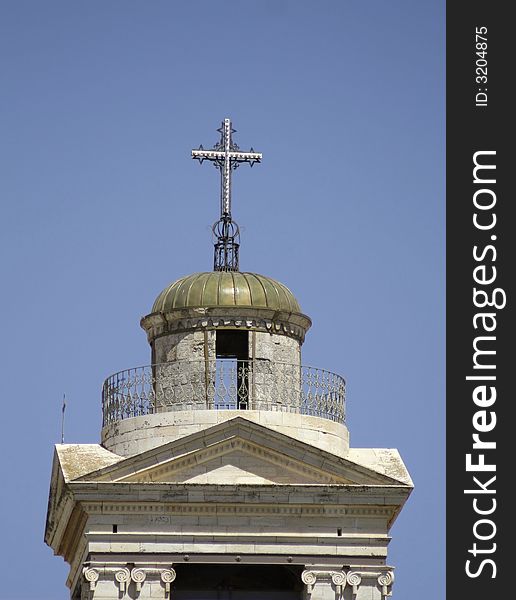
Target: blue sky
102,207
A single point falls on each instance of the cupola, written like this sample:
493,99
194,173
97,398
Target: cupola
223,342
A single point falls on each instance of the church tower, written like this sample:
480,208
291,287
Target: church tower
224,470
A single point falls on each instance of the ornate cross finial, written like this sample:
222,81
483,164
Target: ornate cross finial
226,156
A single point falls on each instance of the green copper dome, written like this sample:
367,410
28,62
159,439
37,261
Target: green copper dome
221,288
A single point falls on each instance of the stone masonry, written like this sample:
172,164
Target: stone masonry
193,498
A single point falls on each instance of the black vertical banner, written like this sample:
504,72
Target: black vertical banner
481,260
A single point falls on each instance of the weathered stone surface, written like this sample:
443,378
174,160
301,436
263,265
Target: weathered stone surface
185,346
266,320
274,347
384,460
193,485
236,488
78,459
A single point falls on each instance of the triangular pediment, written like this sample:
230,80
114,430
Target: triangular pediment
240,452
235,460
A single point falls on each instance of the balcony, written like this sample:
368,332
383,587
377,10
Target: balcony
223,384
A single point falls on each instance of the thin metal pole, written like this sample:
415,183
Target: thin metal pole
63,418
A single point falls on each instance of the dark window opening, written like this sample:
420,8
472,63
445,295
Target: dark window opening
230,343
115,528
237,582
234,344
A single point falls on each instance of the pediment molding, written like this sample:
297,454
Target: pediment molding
174,466
273,447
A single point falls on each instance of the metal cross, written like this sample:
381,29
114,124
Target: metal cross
226,156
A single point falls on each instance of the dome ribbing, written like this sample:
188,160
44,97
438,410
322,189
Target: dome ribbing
225,289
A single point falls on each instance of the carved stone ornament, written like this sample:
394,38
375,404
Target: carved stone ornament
123,576
167,576
339,581
385,581
91,576
354,579
138,576
308,578
260,319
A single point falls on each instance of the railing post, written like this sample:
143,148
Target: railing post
252,386
206,368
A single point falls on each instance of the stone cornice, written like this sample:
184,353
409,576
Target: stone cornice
73,532
60,506
57,520
254,318
77,563
286,494
158,509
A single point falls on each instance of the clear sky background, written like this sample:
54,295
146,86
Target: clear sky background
102,207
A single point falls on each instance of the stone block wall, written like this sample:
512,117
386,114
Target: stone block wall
274,347
199,345
191,345
187,375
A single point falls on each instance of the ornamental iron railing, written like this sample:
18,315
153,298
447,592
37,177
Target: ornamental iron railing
223,384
